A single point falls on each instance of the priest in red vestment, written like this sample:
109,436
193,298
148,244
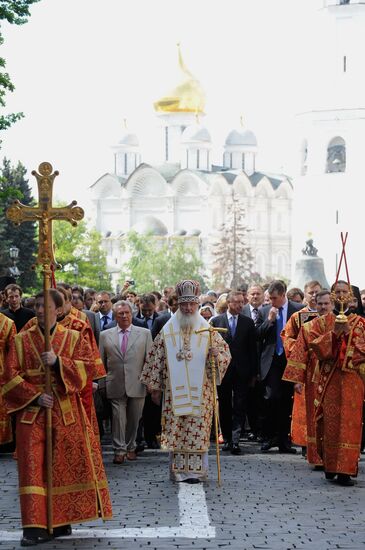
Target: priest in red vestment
80,488
7,333
340,349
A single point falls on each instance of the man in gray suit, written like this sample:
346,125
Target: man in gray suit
124,349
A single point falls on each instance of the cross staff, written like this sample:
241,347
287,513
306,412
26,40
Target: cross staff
211,329
341,317
44,214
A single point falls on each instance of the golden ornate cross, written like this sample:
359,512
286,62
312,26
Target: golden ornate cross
44,214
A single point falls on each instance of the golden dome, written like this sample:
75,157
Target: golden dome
187,97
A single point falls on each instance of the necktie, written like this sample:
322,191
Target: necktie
279,327
255,314
123,348
105,320
232,323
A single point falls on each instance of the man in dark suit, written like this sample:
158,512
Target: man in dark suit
148,312
278,393
255,297
255,412
242,370
162,319
105,315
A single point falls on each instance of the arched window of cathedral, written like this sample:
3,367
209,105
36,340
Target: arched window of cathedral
243,161
230,160
344,2
304,157
336,155
198,159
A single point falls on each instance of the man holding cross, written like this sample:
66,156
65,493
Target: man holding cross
61,474
178,366
80,488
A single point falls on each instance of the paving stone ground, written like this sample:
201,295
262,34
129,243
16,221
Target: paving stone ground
269,501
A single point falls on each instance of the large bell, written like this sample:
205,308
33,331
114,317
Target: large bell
309,268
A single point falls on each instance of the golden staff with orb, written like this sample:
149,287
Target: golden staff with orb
44,214
215,398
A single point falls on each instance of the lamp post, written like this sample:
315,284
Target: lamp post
76,272
13,269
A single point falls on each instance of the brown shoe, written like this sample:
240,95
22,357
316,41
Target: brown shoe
119,459
131,455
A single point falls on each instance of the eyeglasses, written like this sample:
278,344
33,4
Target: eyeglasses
103,301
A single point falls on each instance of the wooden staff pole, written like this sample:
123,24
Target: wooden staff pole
48,390
215,395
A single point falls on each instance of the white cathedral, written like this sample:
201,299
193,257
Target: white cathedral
185,195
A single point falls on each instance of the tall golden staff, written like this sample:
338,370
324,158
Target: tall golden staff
211,329
44,214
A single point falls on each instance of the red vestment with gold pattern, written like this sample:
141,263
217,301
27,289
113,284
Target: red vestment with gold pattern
80,487
79,314
96,368
7,332
339,391
298,429
302,368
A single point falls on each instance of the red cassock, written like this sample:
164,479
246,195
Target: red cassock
96,368
7,333
80,487
339,390
298,430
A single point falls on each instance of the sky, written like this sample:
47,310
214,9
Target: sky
82,66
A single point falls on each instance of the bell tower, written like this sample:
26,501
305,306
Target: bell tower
330,139
348,53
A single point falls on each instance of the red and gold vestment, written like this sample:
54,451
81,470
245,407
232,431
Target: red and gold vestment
298,430
7,332
339,389
96,368
80,487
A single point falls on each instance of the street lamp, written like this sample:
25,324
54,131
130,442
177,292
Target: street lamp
76,272
13,269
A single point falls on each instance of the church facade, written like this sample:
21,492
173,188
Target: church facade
186,195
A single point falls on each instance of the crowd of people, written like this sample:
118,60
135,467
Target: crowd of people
138,369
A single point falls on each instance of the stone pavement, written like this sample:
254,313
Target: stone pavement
269,501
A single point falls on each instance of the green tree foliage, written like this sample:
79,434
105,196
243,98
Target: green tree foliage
13,184
14,12
232,256
154,263
78,249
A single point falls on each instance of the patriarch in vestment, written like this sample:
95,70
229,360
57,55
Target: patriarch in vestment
179,366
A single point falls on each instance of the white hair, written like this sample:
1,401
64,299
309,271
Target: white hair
187,321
